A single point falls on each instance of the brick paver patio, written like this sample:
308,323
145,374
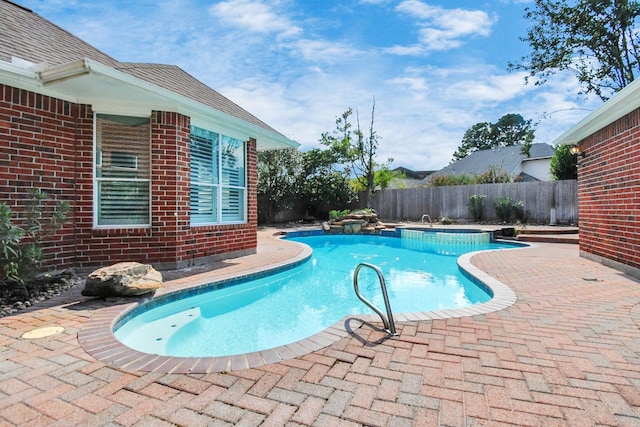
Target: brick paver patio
566,353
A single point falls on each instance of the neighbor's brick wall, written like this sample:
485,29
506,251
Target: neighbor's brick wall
609,192
48,144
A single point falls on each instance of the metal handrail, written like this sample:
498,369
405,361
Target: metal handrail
389,324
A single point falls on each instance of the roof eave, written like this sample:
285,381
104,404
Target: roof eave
624,102
68,80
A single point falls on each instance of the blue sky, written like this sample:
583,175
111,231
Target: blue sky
435,67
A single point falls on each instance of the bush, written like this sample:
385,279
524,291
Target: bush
446,180
476,206
20,245
335,214
493,175
503,209
507,209
518,211
445,220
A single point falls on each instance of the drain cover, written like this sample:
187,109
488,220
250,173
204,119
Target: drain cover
43,332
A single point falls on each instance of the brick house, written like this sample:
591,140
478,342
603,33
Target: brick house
158,167
609,181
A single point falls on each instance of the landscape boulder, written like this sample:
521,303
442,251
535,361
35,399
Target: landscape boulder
359,222
122,279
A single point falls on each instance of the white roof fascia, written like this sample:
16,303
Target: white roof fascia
26,79
622,103
192,108
161,99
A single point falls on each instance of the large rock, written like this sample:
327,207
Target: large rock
122,279
359,222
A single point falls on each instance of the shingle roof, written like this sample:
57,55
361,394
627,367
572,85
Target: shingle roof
507,158
26,35
177,80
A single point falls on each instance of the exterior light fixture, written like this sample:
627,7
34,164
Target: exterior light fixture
575,150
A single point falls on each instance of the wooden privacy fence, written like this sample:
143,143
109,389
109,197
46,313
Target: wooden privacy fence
453,201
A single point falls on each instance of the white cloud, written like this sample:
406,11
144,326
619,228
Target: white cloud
412,84
319,51
254,16
446,28
489,89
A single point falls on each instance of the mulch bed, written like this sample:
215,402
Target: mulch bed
14,299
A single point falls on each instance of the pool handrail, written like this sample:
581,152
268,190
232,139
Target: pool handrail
387,321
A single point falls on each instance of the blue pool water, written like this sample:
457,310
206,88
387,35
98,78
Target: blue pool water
296,303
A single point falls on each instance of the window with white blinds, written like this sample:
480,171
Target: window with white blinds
218,178
122,171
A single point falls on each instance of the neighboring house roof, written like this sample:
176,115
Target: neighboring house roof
506,158
413,174
401,183
35,54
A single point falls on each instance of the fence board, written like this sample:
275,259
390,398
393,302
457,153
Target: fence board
452,201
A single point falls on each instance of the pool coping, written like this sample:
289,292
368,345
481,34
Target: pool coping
98,340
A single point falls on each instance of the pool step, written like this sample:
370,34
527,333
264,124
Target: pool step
549,238
549,235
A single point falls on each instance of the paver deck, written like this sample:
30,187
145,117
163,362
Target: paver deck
566,353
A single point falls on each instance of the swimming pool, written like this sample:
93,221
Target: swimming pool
293,304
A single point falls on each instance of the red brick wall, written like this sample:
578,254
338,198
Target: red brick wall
37,150
48,144
609,192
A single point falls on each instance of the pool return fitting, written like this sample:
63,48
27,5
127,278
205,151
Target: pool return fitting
387,321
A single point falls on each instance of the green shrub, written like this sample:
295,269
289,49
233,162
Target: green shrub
20,244
445,220
507,209
503,209
476,206
494,175
519,212
445,180
335,214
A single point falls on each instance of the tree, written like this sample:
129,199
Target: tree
564,165
511,129
321,186
278,172
597,40
381,180
290,179
477,137
355,149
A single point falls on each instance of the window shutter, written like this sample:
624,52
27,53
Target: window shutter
218,182
204,167
123,203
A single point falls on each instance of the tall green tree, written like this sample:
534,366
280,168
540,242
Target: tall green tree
510,129
311,182
355,149
597,40
564,165
278,172
322,187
